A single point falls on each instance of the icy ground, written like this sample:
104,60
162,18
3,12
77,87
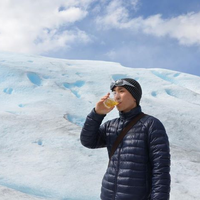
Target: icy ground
43,104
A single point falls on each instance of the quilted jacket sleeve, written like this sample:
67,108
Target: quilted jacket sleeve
159,154
93,133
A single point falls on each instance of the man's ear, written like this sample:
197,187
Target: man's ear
134,99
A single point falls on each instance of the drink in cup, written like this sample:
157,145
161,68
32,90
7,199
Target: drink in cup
110,102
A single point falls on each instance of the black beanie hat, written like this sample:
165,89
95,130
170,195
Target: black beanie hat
136,91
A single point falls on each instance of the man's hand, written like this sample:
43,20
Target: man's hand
101,108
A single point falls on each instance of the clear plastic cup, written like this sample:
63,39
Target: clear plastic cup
110,102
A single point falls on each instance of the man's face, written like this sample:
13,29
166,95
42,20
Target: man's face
125,99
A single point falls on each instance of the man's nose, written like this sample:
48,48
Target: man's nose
116,96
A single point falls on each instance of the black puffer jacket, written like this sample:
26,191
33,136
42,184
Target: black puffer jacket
139,168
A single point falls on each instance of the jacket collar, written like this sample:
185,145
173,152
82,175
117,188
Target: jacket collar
131,114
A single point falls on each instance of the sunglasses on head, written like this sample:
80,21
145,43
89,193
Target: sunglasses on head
120,83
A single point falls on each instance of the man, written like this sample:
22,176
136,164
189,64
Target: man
140,166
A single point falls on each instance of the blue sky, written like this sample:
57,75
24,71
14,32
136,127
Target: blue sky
135,33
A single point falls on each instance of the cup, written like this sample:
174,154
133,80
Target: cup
110,102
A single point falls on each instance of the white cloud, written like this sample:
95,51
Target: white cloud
184,28
40,26
112,54
116,14
35,26
135,3
52,41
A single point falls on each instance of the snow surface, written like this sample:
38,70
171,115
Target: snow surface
43,104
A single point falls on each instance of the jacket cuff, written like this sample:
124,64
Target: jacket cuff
96,116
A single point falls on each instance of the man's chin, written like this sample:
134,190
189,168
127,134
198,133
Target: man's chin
119,109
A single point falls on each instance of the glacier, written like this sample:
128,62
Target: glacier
43,105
